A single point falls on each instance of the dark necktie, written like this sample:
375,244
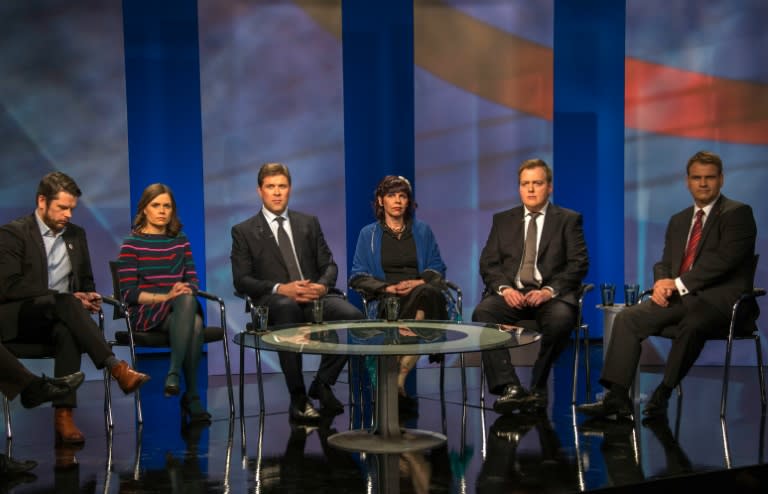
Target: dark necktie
693,243
284,242
528,266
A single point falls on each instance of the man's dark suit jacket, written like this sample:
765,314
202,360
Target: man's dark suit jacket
562,255
257,264
722,268
24,268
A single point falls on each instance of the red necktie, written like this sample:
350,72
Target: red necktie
693,243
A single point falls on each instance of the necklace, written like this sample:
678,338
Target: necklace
397,230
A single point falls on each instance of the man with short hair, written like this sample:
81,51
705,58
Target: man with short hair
706,265
281,260
47,292
533,264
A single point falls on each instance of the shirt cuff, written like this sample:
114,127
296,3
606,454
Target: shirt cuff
274,288
501,289
552,290
681,288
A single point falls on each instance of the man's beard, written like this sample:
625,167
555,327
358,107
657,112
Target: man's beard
50,223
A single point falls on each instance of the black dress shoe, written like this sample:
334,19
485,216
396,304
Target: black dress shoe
44,389
9,466
611,404
656,408
301,410
329,403
513,398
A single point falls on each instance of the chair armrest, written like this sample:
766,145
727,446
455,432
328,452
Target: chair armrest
583,290
645,294
210,296
112,301
453,286
222,309
248,300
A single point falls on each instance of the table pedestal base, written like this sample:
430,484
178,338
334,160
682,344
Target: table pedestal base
370,442
387,436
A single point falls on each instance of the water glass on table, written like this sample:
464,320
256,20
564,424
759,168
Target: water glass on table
317,310
391,308
261,318
631,292
607,291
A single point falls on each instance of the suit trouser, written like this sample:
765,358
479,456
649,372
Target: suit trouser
555,319
14,377
61,320
284,310
696,321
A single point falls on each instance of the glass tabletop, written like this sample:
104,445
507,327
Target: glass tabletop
379,337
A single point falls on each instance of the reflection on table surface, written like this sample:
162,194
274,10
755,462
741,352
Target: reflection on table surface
379,337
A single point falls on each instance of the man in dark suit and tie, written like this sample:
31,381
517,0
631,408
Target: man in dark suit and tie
532,265
707,263
281,260
47,292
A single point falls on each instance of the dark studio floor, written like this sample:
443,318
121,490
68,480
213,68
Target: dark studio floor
485,453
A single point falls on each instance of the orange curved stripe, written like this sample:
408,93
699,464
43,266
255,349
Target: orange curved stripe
517,73
682,103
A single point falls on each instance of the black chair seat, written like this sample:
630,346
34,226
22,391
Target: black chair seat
160,339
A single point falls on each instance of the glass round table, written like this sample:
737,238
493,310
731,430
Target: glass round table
386,340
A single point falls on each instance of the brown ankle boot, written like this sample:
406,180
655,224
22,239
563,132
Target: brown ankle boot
128,379
65,428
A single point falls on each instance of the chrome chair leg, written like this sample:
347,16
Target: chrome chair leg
7,414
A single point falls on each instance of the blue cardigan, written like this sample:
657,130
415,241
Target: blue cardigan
367,260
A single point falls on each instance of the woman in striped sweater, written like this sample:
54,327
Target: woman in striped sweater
158,282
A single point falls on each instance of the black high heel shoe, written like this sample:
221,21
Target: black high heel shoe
171,387
192,411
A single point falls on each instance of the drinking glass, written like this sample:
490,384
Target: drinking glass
392,306
261,316
631,291
607,291
317,310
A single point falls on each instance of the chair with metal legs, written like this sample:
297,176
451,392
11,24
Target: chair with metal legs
252,328
158,339
742,326
38,351
580,332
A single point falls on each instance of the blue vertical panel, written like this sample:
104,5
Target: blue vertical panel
378,70
162,70
378,102
589,132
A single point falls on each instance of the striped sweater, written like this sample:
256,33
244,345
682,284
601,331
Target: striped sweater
153,264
